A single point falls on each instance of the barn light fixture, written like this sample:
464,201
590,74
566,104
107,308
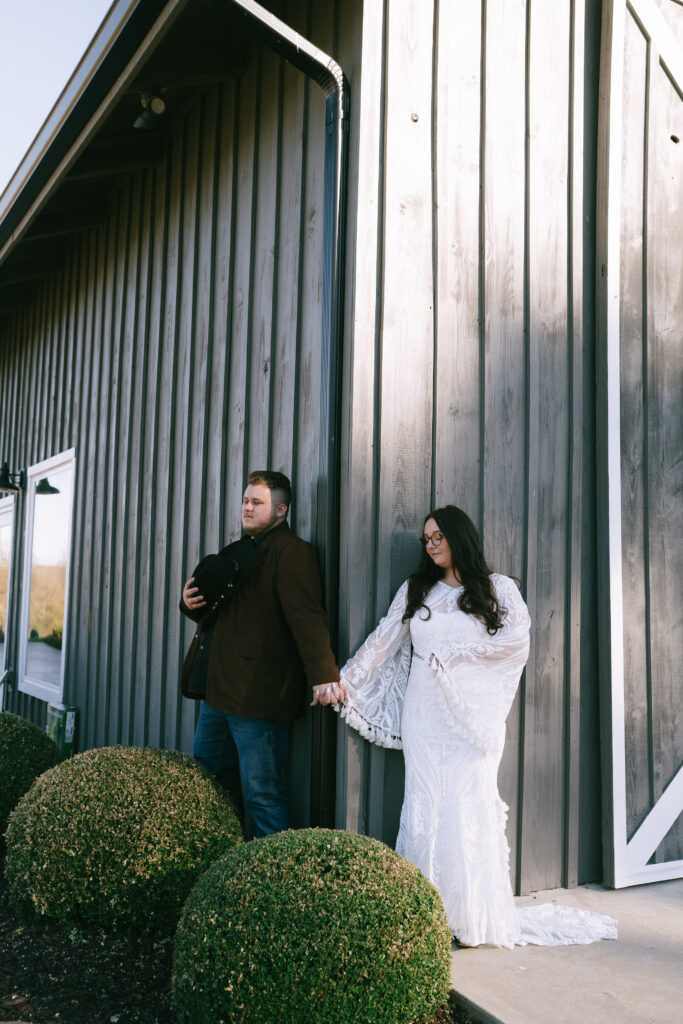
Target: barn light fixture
45,487
153,106
11,483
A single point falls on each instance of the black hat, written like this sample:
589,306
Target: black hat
229,567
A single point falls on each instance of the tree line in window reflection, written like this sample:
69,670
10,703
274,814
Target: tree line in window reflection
47,604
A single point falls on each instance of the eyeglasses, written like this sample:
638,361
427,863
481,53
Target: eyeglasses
434,539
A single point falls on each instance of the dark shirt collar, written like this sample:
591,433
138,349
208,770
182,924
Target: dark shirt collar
263,538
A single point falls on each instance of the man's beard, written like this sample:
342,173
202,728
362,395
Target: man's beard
251,532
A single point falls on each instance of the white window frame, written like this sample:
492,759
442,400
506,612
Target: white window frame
38,687
7,515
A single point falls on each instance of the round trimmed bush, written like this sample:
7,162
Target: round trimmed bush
311,925
117,837
25,753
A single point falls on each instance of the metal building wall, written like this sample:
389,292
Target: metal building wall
651,367
470,374
178,349
640,321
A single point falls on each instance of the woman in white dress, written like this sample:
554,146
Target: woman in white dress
438,676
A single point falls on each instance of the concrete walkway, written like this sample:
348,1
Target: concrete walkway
636,980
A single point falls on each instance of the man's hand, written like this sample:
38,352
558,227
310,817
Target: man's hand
329,693
191,598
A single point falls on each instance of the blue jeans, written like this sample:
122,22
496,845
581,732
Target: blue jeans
250,753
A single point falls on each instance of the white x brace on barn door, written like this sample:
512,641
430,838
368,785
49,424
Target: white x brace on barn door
640,475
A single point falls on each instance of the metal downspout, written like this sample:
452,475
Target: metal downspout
260,24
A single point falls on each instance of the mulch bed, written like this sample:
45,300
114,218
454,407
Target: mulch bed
48,973
51,974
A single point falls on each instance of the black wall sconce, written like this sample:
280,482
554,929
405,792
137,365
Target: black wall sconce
45,487
12,483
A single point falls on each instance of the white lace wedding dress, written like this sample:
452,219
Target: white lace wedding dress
441,687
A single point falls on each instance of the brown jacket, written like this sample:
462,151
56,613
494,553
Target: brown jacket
273,634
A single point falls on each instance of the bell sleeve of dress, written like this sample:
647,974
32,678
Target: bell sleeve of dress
478,677
376,678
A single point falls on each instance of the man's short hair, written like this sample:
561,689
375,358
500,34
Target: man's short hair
277,483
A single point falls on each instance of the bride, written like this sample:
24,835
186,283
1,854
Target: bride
437,677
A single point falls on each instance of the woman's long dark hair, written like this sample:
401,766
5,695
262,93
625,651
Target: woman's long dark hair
478,597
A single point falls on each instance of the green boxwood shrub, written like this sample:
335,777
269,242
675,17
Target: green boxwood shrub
117,837
311,925
25,753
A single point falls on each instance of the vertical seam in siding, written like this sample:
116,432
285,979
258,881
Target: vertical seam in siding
435,249
646,416
569,855
300,288
520,864
164,180
231,294
252,259
481,299
180,283
379,328
276,263
132,480
211,282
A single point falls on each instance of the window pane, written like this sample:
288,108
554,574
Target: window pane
51,530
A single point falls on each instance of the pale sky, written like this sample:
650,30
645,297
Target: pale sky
41,42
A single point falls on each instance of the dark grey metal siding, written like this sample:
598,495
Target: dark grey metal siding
470,375
178,349
650,373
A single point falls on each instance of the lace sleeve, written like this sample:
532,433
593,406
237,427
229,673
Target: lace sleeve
479,676
376,678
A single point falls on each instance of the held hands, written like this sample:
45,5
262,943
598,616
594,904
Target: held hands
329,693
191,598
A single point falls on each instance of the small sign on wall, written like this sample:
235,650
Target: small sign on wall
61,727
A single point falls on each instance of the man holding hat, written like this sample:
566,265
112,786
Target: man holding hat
268,639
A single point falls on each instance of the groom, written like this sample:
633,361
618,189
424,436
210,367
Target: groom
270,639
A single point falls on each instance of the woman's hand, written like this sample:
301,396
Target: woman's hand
329,693
192,599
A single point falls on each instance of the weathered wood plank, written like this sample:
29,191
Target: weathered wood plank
82,545
290,247
140,541
204,342
500,480
226,216
358,543
125,502
548,448
107,724
115,471
165,642
262,245
305,443
164,282
665,437
458,230
405,429
186,461
240,346
88,690
633,455
577,342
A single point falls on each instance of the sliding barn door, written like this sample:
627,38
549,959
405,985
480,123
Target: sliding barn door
640,471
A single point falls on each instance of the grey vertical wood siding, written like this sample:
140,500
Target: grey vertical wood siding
651,370
178,349
466,372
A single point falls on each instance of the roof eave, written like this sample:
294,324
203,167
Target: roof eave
126,37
